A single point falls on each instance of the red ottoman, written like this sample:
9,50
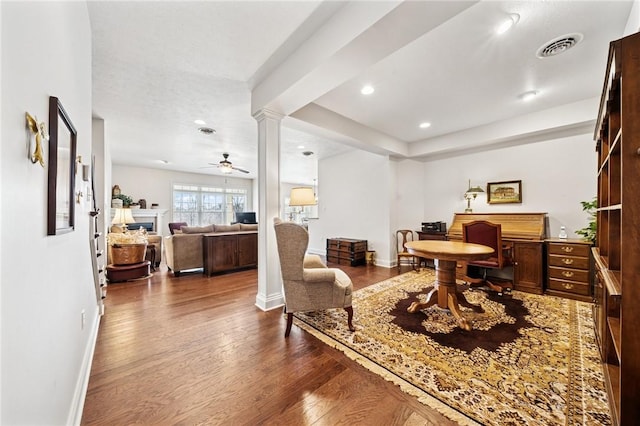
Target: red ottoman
117,273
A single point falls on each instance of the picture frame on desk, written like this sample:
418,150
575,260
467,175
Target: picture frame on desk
505,192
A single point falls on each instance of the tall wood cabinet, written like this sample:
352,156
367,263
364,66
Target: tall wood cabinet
617,251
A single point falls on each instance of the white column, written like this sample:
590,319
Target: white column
270,294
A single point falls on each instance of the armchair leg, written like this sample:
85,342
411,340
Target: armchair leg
349,310
289,323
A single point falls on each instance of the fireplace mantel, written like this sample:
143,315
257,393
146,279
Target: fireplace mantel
148,215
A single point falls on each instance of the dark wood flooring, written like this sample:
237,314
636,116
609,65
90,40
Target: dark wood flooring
195,350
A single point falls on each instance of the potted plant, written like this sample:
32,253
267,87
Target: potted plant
589,232
126,200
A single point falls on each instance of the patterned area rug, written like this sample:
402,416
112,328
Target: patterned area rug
529,360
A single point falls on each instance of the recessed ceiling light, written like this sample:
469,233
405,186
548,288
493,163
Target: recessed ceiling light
207,130
164,161
300,146
367,90
200,122
527,96
509,22
425,125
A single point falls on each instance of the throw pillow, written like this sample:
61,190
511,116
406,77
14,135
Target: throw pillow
227,228
196,229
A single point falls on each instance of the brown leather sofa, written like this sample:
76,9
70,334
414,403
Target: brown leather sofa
183,249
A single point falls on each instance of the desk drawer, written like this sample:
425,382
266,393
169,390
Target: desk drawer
569,286
579,275
568,249
569,261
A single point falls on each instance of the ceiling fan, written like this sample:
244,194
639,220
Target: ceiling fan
226,166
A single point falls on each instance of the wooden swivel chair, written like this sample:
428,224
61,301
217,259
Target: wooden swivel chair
487,234
403,236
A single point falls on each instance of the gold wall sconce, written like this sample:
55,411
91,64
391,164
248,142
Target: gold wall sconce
40,130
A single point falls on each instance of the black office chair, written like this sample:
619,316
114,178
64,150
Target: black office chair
488,234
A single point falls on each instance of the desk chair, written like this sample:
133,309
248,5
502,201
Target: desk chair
403,236
487,234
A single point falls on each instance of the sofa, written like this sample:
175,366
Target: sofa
184,249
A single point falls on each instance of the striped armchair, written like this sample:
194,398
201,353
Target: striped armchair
308,284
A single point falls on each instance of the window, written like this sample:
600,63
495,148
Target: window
202,205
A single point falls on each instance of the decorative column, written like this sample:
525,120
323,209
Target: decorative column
270,294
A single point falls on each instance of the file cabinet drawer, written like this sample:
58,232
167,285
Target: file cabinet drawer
569,261
569,274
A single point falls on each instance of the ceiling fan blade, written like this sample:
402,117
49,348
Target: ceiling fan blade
240,170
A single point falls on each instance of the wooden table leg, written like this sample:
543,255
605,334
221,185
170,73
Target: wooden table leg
432,299
444,293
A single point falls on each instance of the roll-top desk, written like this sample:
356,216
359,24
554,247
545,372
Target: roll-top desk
525,234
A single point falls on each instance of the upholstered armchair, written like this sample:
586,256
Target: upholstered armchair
308,284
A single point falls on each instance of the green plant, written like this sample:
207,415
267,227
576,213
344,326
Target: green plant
126,200
589,232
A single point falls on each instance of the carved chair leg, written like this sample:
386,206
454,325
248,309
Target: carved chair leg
289,323
349,310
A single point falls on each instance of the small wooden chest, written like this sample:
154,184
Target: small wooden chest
347,251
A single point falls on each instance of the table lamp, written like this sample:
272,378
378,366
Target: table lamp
122,217
471,194
302,196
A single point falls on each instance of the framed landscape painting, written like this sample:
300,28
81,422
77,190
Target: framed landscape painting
504,192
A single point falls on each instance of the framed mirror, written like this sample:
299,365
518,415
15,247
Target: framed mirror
62,176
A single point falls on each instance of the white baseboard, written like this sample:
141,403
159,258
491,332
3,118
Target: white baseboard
75,412
270,303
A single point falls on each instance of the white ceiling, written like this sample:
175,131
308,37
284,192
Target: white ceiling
159,65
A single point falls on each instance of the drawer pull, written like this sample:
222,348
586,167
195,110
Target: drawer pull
567,261
567,249
567,286
567,274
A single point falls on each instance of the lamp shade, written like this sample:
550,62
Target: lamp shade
122,216
302,196
475,190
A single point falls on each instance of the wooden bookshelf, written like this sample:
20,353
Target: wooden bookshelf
617,249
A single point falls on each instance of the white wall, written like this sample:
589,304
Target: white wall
408,200
633,23
556,175
46,280
155,185
354,194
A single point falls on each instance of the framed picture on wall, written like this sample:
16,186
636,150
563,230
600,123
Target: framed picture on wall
505,192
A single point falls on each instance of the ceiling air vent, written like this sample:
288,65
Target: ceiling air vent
559,45
206,130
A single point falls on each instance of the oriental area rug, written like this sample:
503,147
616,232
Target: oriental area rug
529,360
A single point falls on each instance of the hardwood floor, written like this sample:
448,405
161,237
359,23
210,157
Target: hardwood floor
196,350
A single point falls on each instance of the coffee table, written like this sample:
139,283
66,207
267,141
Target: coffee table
445,255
